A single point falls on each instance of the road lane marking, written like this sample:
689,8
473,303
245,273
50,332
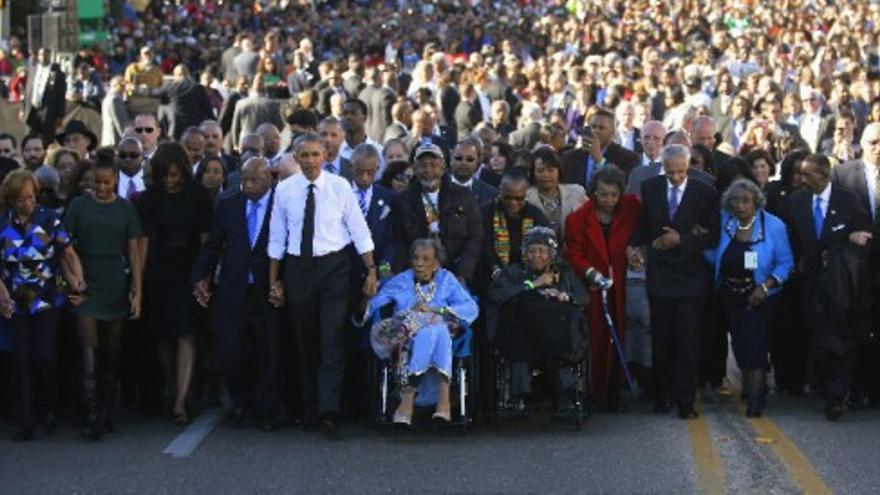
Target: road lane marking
800,468
707,463
184,444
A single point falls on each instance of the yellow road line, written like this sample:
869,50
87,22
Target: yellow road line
710,472
802,471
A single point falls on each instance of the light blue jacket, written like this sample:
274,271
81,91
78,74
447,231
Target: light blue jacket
769,240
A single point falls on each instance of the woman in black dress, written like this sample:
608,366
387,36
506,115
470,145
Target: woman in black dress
175,214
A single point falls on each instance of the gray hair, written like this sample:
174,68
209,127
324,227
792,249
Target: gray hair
48,177
430,243
364,151
743,185
671,151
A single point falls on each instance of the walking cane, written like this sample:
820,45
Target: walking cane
617,344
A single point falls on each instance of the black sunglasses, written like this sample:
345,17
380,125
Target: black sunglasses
5,151
129,156
144,130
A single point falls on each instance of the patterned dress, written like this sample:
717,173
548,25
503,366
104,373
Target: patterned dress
30,266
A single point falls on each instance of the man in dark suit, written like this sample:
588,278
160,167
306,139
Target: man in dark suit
401,121
333,136
374,202
825,216
379,100
186,102
862,177
468,112
44,98
464,164
703,132
254,110
598,150
679,220
246,324
434,207
527,136
214,145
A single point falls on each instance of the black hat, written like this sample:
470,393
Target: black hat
77,127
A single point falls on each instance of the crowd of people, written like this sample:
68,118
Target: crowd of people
677,179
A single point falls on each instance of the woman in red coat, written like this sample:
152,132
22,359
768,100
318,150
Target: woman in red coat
596,237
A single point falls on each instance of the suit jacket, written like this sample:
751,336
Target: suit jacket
680,272
227,63
252,111
851,176
645,172
637,142
245,64
379,100
187,105
381,224
467,116
114,118
229,244
482,191
460,227
345,170
395,131
227,111
574,162
843,216
298,82
527,137
573,196
53,104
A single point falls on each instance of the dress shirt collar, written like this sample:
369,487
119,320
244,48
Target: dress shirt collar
467,185
680,188
826,196
646,160
262,202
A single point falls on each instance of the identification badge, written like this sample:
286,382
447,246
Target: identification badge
751,260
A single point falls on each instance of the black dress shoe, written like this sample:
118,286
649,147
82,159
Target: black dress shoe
687,412
237,417
662,407
833,412
23,435
328,427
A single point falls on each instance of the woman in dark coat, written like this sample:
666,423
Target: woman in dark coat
596,237
175,215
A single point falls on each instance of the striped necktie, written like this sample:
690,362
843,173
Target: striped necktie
362,202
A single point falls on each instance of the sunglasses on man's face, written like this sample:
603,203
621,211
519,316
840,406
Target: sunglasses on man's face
129,156
144,130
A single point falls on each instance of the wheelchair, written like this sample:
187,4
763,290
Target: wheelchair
504,406
386,389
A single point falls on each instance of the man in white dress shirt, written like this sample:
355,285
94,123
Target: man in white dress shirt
315,216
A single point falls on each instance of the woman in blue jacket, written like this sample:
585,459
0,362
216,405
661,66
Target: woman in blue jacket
752,261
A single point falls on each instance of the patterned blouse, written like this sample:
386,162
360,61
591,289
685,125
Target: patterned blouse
30,265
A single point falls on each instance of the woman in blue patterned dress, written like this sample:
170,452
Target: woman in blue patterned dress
36,249
429,302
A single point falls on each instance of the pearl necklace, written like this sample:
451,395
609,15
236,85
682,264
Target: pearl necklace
740,226
423,296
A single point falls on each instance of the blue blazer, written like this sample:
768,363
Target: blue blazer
379,220
229,244
769,240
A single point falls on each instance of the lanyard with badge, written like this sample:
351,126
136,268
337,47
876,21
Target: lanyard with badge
750,260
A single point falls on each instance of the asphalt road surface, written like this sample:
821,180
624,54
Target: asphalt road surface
792,450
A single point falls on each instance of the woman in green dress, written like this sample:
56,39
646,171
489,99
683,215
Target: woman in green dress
105,229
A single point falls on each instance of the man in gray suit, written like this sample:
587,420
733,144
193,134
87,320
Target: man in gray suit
254,110
227,60
655,168
379,99
114,115
245,63
401,114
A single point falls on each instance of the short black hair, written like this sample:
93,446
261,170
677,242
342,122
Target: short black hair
168,154
30,136
303,118
359,103
821,161
6,135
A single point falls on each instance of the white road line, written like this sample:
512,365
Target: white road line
185,443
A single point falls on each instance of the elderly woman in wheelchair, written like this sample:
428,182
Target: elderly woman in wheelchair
430,307
539,305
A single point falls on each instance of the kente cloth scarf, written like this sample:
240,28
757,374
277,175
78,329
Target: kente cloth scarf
501,235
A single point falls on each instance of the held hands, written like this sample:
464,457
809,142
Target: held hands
636,258
556,294
276,294
757,297
202,292
668,240
547,278
77,293
860,238
7,307
371,284
134,302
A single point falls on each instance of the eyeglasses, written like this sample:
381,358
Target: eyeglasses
129,156
5,151
464,158
144,130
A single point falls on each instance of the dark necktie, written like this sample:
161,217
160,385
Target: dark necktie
673,203
131,189
308,232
